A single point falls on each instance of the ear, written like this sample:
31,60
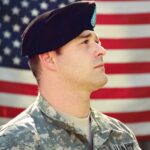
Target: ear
48,60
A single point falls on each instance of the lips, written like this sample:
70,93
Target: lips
98,66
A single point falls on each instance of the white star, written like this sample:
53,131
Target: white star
7,51
43,5
34,12
16,60
16,43
1,58
16,28
6,18
15,10
25,4
61,5
25,20
6,2
52,0
71,1
7,34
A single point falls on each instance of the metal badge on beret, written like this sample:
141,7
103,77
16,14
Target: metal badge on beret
93,20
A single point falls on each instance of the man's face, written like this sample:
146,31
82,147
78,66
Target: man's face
81,61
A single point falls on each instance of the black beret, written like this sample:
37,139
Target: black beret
55,28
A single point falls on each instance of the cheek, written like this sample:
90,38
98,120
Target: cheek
77,61
67,64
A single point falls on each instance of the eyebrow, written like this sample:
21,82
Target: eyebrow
87,35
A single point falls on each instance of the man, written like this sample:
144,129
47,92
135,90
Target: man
66,58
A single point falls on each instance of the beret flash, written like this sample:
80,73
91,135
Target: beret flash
55,28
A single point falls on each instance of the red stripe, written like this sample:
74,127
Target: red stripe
126,43
123,18
136,92
131,117
9,112
143,138
116,68
18,88
27,89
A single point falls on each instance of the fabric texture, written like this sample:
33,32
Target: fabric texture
40,127
81,123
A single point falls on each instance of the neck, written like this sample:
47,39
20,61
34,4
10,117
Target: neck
67,99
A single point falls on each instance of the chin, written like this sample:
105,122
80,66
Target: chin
100,82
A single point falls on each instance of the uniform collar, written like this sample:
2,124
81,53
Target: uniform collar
100,127
51,115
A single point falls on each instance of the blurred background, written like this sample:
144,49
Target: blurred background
124,30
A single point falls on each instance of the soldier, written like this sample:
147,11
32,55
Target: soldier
66,58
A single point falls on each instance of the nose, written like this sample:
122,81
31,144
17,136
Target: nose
101,51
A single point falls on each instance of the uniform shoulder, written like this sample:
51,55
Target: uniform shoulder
115,123
112,123
18,133
118,132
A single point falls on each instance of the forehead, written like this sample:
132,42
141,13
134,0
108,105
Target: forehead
86,34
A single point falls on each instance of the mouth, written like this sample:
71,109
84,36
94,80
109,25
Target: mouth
99,66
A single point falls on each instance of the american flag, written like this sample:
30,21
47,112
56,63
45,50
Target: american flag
124,30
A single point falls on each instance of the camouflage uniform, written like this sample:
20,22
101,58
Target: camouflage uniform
40,127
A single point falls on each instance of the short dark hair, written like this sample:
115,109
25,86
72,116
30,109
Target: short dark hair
34,64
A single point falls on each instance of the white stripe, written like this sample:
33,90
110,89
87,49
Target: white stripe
128,80
121,105
123,7
127,55
103,105
121,80
17,75
16,100
4,120
140,129
123,31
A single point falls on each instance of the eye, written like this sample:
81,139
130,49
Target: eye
85,41
97,41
